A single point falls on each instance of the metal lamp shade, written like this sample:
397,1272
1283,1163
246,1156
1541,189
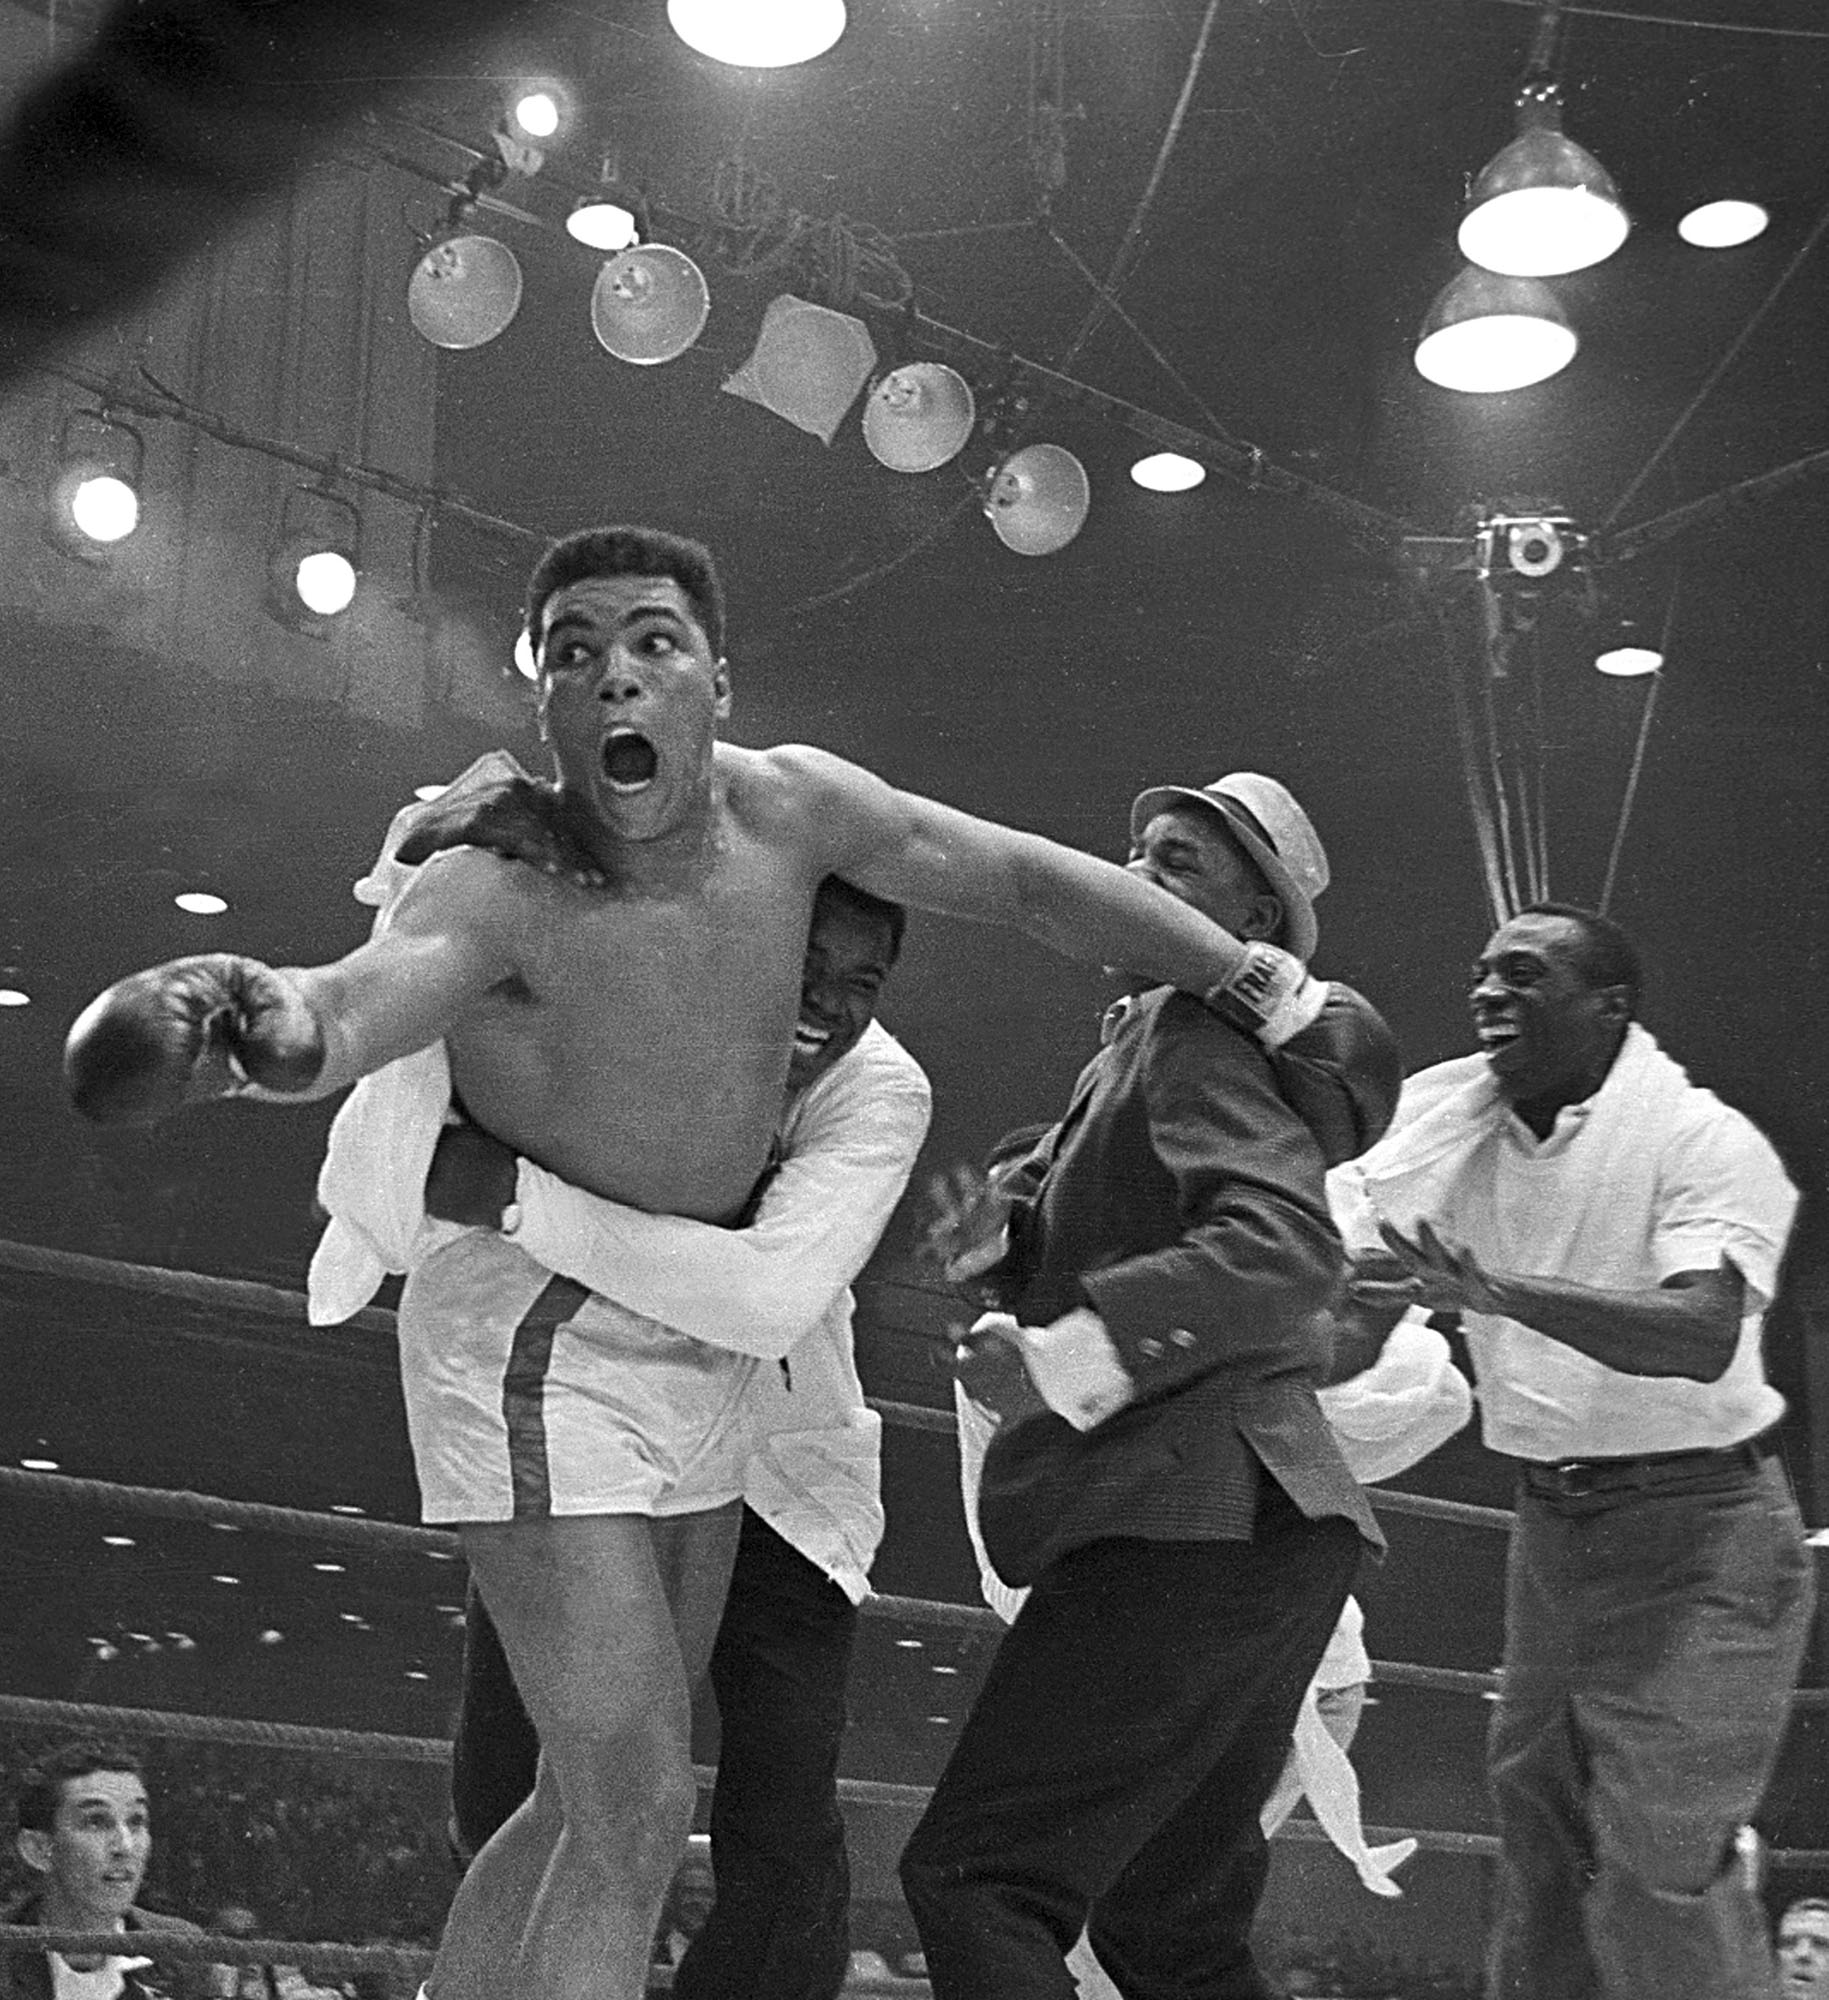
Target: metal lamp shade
1544,206
649,304
919,417
1485,334
1039,499
464,291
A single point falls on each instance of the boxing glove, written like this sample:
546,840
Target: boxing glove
192,1029
517,818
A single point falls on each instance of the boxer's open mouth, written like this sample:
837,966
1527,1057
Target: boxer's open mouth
629,761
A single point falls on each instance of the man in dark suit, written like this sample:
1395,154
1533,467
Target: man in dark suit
1162,1475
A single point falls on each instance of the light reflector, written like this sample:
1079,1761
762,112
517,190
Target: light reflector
758,34
1543,206
104,508
649,304
1039,499
1168,472
1485,334
464,291
1723,225
919,416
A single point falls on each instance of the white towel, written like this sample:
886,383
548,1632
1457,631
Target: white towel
1331,1786
1419,1169
1412,1399
372,1182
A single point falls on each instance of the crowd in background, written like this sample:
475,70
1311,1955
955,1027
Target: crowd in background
345,1849
342,1848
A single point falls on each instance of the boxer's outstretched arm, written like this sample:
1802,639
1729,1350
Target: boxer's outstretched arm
221,1025
915,851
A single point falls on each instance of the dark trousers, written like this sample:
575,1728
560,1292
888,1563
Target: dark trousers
1133,1723
778,1928
1652,1642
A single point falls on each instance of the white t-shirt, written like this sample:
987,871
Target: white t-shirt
103,1982
1649,1177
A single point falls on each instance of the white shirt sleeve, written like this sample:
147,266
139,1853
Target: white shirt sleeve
1723,1192
850,1144
1074,1364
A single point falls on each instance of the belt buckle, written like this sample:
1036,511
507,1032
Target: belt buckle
1573,1478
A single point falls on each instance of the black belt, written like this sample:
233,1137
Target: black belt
1571,1478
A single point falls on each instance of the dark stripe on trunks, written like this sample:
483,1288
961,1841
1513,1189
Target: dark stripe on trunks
524,1394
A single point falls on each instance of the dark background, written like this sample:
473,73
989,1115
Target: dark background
165,734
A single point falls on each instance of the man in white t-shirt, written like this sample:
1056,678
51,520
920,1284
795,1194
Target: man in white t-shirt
1610,1236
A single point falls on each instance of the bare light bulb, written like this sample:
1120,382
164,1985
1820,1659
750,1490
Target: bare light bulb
758,34
326,582
537,114
1168,472
1723,225
105,508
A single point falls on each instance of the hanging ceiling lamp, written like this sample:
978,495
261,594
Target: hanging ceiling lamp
758,34
649,304
464,290
601,222
1485,334
1628,649
1624,661
919,416
95,488
611,218
1723,225
1038,499
1542,206
466,287
1168,472
315,563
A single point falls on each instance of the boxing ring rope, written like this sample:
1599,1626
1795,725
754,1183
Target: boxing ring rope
271,1302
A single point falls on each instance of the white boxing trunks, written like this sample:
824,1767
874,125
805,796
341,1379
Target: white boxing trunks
528,1396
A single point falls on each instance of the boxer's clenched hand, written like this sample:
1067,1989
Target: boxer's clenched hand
192,1029
515,818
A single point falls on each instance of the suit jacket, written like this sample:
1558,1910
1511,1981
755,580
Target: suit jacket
26,1975
1181,1197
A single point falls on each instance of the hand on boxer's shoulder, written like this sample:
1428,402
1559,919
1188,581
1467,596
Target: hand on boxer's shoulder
192,1029
517,818
472,1178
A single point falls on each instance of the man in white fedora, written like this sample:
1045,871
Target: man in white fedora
1161,1478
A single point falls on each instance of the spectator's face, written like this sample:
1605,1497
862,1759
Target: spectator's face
1803,1955
94,1856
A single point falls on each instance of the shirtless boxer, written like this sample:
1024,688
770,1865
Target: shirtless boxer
633,1039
